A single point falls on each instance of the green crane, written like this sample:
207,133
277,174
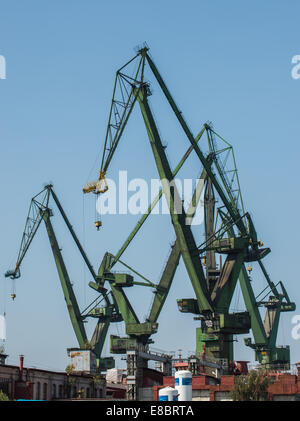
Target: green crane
230,236
39,211
230,233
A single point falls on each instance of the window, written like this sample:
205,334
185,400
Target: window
54,391
38,391
45,387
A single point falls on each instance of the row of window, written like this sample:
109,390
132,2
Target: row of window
38,391
61,392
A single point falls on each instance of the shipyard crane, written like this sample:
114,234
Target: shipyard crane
230,236
109,306
106,313
230,232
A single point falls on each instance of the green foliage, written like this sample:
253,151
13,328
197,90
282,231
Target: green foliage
97,379
252,387
3,396
68,369
70,380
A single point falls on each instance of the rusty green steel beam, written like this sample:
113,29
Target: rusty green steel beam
173,260
249,298
183,231
74,236
72,306
124,306
77,242
99,336
232,211
109,150
154,203
222,294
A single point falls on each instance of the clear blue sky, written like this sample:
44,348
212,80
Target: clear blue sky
227,62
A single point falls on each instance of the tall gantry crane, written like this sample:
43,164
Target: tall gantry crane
214,267
106,313
109,306
229,233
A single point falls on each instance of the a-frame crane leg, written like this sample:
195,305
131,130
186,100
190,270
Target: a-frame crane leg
209,220
68,292
232,211
98,338
183,232
173,260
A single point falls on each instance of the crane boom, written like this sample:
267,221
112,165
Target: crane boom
33,221
39,211
123,101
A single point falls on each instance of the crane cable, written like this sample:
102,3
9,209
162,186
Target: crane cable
97,210
13,289
84,242
4,297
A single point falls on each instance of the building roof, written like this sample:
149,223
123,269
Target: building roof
81,374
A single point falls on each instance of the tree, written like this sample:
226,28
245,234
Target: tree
3,396
252,387
68,369
69,372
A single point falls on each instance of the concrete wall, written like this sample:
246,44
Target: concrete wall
222,396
